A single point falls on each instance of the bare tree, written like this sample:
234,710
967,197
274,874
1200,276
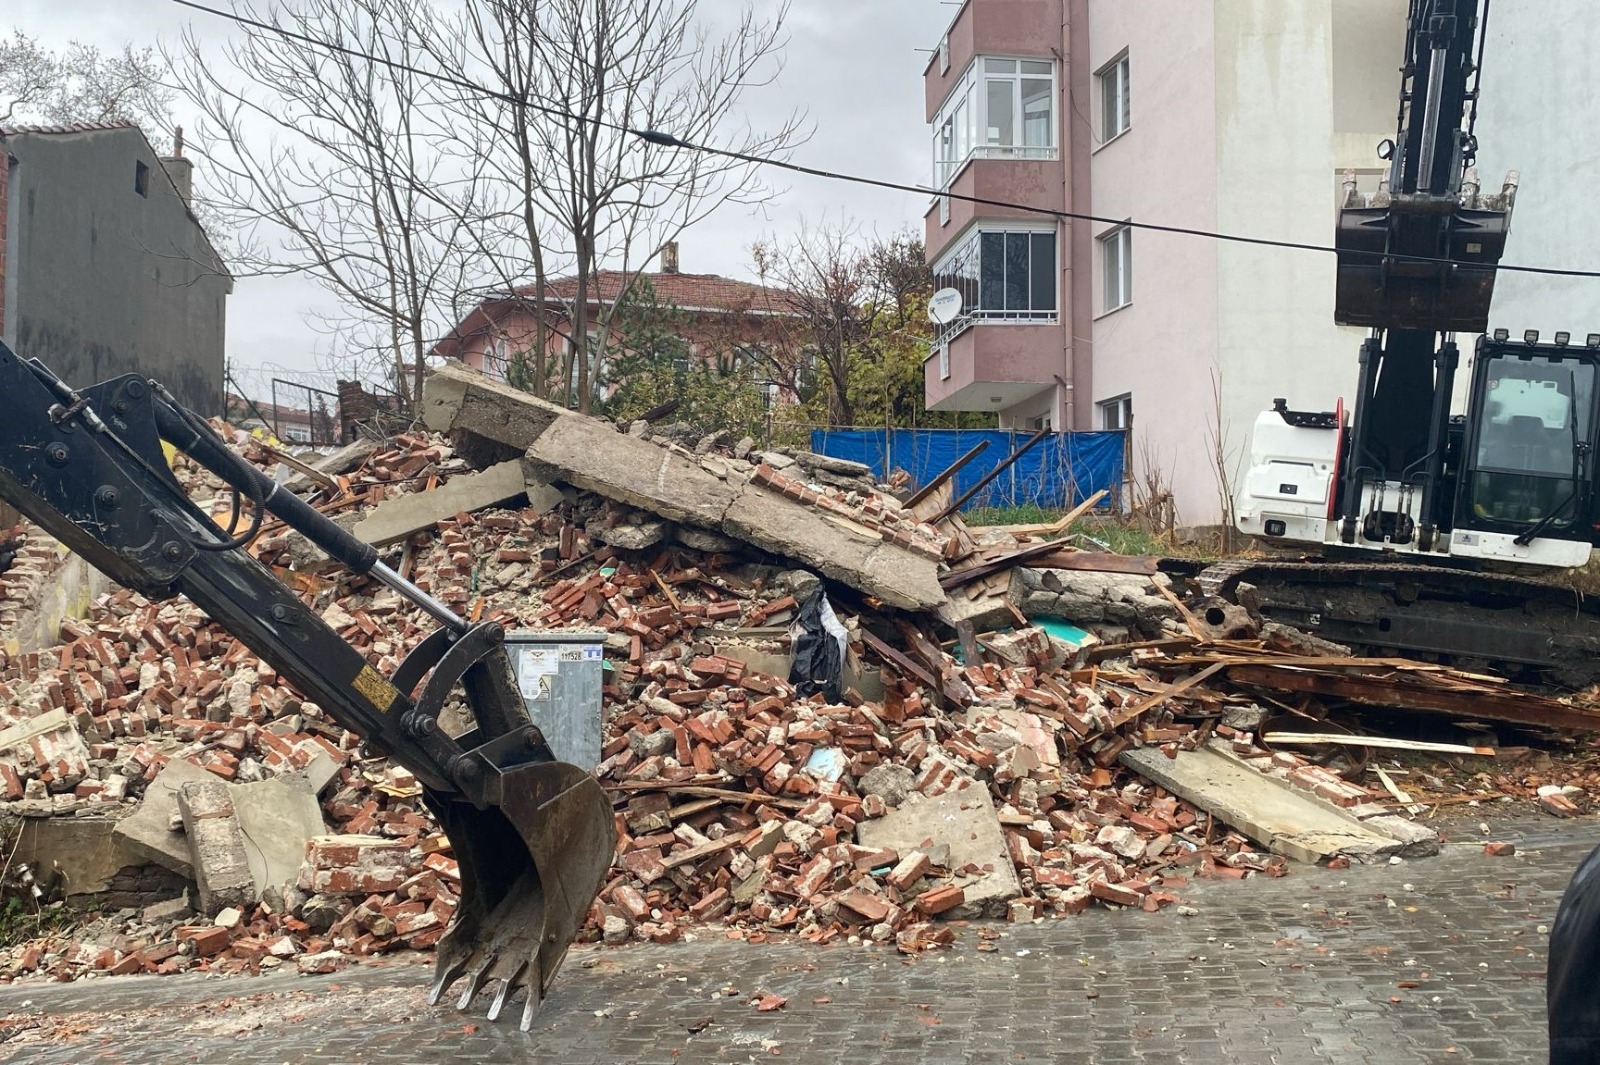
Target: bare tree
585,190
82,84
327,163
849,305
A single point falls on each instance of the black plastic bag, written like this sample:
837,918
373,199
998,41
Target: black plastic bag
817,640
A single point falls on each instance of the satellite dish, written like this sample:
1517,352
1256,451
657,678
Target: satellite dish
944,306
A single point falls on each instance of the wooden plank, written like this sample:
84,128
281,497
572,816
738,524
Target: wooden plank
1097,562
970,651
1318,739
1485,704
1144,706
960,577
1108,651
1060,524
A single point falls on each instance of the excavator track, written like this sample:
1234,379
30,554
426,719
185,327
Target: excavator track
1525,629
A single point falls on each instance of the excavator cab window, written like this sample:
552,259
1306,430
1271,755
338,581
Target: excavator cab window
1533,433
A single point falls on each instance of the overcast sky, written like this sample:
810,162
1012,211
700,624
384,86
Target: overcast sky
854,67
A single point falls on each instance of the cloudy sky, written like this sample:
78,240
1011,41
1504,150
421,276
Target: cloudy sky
855,68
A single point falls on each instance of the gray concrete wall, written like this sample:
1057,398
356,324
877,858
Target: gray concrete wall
107,280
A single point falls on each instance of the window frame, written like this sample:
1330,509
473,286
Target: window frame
1122,409
1116,97
961,268
959,131
1119,238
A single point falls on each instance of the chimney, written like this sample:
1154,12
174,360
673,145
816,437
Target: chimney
179,169
669,257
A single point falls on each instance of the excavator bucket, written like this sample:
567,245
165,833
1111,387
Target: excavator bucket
530,868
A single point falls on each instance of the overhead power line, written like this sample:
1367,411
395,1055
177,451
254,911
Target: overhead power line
668,140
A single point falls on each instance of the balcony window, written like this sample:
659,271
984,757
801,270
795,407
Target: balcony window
999,109
1114,112
1116,267
1005,275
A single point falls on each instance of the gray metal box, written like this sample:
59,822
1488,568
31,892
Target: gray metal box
560,674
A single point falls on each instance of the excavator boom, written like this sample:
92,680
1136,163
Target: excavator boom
533,836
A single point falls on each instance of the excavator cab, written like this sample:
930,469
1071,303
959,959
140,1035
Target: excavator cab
1526,467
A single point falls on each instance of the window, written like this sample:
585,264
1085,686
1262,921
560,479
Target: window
1116,263
944,360
299,434
1114,116
141,178
1116,414
1040,423
999,109
944,53
1001,274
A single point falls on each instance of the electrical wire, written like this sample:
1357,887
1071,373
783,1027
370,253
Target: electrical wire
668,140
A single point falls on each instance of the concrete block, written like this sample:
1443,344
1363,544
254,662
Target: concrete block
146,830
458,399
1090,598
399,518
277,817
216,845
963,822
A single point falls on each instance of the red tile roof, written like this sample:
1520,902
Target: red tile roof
689,292
71,127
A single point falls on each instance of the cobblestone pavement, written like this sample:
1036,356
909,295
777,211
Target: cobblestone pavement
1435,960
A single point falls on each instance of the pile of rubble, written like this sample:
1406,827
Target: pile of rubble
984,774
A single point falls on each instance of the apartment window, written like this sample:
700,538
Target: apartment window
999,109
1040,423
1002,274
1116,414
1114,115
141,178
944,360
1116,264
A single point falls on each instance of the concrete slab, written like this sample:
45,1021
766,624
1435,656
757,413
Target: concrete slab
963,821
1281,818
590,454
146,830
574,449
85,850
277,817
397,519
858,558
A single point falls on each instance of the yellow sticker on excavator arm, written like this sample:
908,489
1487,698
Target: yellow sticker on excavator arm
379,692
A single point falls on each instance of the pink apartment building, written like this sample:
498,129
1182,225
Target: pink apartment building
1237,116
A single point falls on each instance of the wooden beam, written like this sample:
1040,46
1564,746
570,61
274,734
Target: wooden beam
1059,525
1318,739
1005,464
949,471
1481,704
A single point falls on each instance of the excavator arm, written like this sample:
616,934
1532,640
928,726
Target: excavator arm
533,836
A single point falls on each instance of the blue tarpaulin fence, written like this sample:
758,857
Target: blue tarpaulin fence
1060,471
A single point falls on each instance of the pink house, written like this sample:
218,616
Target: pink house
719,315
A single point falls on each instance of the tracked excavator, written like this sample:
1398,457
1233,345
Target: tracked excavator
1429,522
533,836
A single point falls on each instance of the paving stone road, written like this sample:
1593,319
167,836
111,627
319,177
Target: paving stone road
1434,960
